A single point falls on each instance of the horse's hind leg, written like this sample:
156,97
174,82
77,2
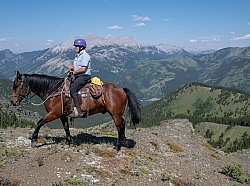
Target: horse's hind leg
120,125
65,123
123,138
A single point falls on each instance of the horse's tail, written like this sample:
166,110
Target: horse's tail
134,106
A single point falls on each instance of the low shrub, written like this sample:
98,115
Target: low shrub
235,172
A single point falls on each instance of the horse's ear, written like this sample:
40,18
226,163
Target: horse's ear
18,75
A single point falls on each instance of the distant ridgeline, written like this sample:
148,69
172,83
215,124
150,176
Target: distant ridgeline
149,71
11,116
200,103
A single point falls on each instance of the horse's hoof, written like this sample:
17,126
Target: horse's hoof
33,144
118,148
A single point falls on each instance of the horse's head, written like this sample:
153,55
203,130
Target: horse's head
19,90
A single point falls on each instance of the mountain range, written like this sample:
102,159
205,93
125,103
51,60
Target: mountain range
151,71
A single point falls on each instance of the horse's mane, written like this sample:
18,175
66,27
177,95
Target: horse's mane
40,83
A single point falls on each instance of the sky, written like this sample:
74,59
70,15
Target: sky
29,25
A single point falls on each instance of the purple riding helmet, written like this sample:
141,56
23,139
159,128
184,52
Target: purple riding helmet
80,42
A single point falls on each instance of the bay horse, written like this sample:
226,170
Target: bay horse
115,100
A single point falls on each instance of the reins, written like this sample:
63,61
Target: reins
28,98
37,104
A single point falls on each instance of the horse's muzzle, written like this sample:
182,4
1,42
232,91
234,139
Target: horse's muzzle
15,100
14,103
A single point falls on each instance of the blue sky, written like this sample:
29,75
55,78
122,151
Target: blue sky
28,25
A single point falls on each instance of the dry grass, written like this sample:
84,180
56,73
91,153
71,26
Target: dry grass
179,182
104,151
108,132
174,147
41,140
207,145
125,171
130,153
151,158
99,171
215,155
213,151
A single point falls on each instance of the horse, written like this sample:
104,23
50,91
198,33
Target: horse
114,100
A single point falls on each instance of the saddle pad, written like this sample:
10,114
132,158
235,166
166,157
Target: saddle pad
97,81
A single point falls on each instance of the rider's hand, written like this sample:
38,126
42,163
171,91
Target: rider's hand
71,67
69,73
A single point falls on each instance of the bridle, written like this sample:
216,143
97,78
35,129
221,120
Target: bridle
25,92
24,87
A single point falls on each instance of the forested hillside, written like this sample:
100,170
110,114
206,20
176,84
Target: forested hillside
214,105
13,116
200,102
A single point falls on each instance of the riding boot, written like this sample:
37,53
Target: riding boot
77,109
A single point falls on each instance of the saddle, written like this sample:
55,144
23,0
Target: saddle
93,88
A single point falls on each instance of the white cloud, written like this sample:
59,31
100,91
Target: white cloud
241,38
114,27
216,39
232,32
140,24
140,18
167,19
4,39
193,40
206,39
49,42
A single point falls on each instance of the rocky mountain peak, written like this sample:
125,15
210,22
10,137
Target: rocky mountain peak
93,40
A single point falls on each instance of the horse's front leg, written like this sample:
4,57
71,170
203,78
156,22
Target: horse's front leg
65,124
39,124
49,117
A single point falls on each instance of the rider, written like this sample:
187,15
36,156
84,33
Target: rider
81,69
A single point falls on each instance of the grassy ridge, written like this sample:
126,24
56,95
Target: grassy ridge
198,101
217,112
234,132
